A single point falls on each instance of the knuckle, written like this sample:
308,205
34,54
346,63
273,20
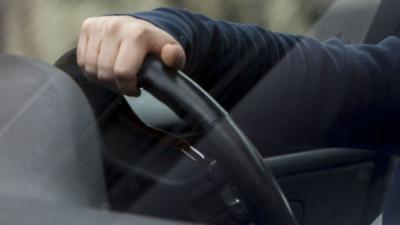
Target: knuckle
81,62
105,73
91,62
104,77
91,68
137,31
88,23
113,26
91,72
105,68
121,73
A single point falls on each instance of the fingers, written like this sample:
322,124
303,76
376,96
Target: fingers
92,55
106,60
81,49
88,48
129,60
111,50
173,56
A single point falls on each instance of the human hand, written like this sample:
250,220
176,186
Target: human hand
111,50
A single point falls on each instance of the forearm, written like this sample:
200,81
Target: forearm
329,95
342,95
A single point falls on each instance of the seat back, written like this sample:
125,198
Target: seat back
49,142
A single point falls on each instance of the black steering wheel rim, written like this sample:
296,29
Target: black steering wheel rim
236,155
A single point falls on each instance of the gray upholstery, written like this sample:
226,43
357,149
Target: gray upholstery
49,145
50,165
40,213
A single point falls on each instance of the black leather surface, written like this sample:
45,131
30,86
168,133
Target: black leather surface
49,147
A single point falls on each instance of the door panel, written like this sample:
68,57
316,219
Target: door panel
333,186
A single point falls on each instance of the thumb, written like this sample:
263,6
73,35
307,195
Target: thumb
173,56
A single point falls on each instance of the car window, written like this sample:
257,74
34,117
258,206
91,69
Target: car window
45,29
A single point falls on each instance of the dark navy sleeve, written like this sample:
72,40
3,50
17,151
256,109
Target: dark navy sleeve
323,94
218,51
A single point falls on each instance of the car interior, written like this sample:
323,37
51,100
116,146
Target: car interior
171,156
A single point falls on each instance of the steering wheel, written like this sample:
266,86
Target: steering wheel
235,154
